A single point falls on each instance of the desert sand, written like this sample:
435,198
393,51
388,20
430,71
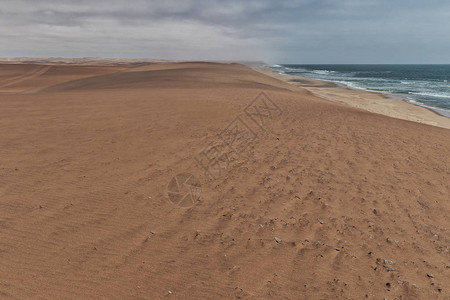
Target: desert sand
287,195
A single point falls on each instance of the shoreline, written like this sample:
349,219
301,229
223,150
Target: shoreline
391,96
376,102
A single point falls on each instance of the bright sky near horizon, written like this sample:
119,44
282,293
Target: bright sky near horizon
276,31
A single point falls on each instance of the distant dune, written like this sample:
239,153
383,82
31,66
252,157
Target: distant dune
208,181
80,61
100,61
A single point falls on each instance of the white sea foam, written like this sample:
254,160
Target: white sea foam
350,85
437,95
322,72
439,110
296,69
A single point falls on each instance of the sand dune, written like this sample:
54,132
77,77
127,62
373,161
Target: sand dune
311,200
23,78
37,71
182,75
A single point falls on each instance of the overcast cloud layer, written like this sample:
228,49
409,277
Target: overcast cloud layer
303,31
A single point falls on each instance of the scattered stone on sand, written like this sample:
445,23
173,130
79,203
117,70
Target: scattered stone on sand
391,269
277,239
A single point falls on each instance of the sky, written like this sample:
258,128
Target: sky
274,31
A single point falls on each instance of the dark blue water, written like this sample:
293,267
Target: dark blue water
425,85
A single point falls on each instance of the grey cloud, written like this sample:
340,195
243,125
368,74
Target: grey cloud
280,31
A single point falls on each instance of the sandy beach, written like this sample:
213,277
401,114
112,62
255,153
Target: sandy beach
370,101
287,195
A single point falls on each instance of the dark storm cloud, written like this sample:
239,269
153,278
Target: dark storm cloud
281,31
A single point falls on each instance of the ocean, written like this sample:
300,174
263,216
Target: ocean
424,85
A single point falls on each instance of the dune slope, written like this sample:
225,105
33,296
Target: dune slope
294,197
